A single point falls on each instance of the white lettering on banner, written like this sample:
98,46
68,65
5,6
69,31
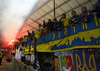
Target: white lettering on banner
18,55
27,57
32,58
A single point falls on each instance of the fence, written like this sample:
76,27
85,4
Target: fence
19,66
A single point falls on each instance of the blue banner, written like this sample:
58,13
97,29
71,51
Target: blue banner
87,60
82,34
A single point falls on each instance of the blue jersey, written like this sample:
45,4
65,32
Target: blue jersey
60,21
97,8
87,15
57,25
76,18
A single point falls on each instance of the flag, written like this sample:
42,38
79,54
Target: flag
57,66
66,63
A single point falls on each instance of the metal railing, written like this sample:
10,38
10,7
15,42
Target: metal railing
19,66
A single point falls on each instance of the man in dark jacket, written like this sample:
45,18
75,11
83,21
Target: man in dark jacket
50,25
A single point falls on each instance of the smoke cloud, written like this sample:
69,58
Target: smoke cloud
12,16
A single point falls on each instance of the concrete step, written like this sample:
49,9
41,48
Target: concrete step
6,66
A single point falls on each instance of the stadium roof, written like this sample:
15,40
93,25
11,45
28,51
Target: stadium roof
45,11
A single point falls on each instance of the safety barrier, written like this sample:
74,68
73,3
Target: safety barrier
19,66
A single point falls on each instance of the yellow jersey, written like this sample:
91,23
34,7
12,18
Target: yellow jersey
65,21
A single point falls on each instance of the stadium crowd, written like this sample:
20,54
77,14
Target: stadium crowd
64,21
56,25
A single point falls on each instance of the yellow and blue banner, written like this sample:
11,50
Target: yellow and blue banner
87,60
82,35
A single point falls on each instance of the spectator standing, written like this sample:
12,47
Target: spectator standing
45,30
50,25
57,26
97,9
86,15
40,28
44,24
64,20
29,36
74,19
